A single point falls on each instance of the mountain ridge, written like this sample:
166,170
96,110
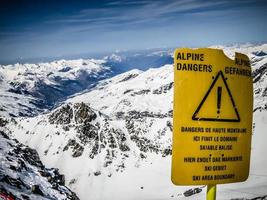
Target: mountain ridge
121,129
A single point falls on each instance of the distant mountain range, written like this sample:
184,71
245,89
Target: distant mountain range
28,89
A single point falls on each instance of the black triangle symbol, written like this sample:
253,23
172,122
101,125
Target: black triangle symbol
237,119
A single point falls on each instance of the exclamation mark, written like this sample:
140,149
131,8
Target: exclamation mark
219,96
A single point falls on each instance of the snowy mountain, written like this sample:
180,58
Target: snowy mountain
23,175
143,60
85,143
27,89
118,135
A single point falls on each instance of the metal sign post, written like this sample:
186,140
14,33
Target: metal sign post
211,192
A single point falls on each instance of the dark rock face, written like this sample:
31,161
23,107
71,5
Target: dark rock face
3,122
83,113
257,74
77,149
121,140
62,116
89,131
13,182
260,53
140,92
169,124
163,89
120,115
28,154
97,173
36,190
167,152
23,176
127,91
138,115
131,76
78,113
138,135
145,144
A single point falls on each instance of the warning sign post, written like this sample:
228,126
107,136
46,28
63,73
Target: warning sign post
212,117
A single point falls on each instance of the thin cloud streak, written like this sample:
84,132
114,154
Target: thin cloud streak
106,25
137,15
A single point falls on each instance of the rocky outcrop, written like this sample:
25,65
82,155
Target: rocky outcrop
63,115
164,88
258,73
23,175
77,149
83,113
92,131
130,76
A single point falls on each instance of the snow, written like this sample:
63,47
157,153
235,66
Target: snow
149,92
114,57
248,49
115,95
27,174
27,89
68,69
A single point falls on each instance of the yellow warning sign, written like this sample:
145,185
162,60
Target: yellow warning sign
212,117
226,112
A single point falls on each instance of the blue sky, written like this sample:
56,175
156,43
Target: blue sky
32,29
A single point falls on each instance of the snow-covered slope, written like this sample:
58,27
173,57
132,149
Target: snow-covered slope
23,176
89,146
149,91
27,89
118,135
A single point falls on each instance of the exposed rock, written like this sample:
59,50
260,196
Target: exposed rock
141,92
169,124
15,182
131,76
121,140
87,132
22,173
120,115
97,173
3,122
258,73
28,154
36,190
167,152
127,91
163,89
62,115
77,149
83,113
145,144
137,115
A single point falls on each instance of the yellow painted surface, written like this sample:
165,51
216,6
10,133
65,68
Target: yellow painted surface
212,117
211,192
